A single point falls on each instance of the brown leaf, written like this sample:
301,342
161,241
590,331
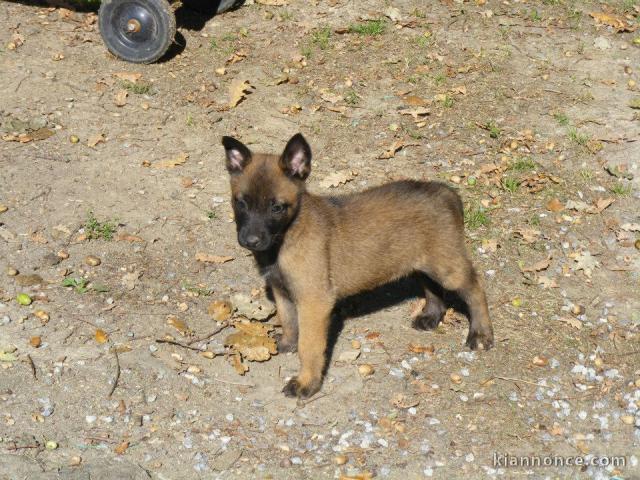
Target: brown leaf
120,98
416,348
236,57
538,266
220,310
554,205
238,90
402,401
574,322
171,163
128,76
619,23
236,361
179,325
416,113
95,140
335,179
101,336
415,101
529,235
395,147
126,237
206,258
252,341
602,203
121,448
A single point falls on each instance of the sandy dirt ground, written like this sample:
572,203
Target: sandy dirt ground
114,211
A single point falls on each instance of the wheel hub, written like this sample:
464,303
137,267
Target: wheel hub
133,25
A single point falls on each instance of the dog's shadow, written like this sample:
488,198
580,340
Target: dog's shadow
384,297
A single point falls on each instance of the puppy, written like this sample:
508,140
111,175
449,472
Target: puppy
313,250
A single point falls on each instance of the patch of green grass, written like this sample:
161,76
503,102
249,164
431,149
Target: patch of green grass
439,79
285,15
621,189
351,97
534,15
425,40
561,118
211,214
448,101
139,88
95,229
229,37
190,122
586,174
306,51
510,184
535,220
577,137
494,131
320,38
475,217
198,290
369,28
213,44
523,164
79,284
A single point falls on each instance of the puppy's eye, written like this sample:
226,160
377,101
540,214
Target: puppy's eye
278,208
241,204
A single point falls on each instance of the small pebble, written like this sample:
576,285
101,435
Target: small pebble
355,344
455,378
63,254
92,260
11,272
90,418
75,461
3,208
51,445
35,342
366,370
627,419
74,139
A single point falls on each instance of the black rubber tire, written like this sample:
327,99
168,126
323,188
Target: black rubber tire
157,28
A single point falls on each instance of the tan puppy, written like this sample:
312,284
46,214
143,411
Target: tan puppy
314,250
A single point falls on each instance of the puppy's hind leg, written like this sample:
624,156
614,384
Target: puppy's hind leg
432,313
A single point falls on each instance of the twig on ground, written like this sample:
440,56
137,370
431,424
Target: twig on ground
117,377
33,367
232,383
178,344
519,380
208,336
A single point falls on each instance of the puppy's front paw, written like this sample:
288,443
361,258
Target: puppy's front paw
286,346
480,339
295,389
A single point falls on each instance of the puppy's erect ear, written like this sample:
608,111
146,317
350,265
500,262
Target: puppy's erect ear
296,158
238,155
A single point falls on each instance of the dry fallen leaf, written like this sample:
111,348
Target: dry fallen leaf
402,401
529,235
220,310
173,162
574,322
179,325
619,23
336,179
236,361
126,237
585,262
121,448
490,245
252,341
128,76
206,258
120,98
101,336
95,140
554,205
236,57
539,265
416,348
130,280
238,91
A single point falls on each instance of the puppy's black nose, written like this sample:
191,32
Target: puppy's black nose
252,241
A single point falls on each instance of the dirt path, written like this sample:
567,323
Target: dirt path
526,107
